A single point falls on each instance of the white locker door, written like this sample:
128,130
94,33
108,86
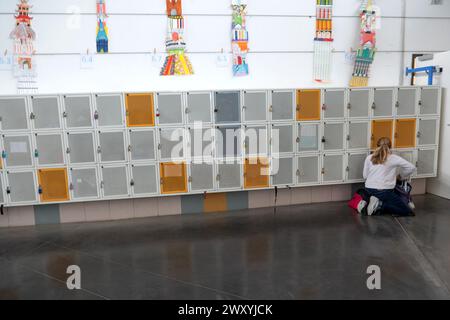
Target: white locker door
201,176
171,143
200,142
78,111
428,132
282,108
429,101
358,135
383,102
228,141
13,113
333,136
359,101
334,104
355,166
142,145
199,107
332,170
308,169
229,175
17,151
308,137
49,149
112,146
282,140
255,106
144,179
426,162
115,181
227,107
170,108
282,170
256,140
21,186
406,102
109,111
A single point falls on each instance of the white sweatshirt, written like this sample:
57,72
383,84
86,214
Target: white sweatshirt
384,176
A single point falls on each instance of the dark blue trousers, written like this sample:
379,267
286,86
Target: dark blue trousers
392,203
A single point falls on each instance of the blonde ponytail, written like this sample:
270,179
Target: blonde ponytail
382,152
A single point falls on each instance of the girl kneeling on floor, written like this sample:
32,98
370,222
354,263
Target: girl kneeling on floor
380,172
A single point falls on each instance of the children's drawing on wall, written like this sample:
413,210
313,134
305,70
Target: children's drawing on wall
239,44
177,62
23,37
323,41
366,51
102,29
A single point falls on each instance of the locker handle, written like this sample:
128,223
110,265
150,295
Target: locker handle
161,181
297,172
4,154
96,115
324,140
32,116
419,134
244,107
297,140
374,106
8,190
216,110
190,179
298,107
40,189
396,135
186,110
130,148
372,137
102,184
271,109
347,169
131,182
349,105
324,107
397,104
64,114
68,150
71,186
348,137
36,153
218,177
159,146
420,103
99,149
323,170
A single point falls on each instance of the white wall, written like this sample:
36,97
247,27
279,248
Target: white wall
138,26
441,185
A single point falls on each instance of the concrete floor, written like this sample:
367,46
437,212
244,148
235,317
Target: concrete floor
318,251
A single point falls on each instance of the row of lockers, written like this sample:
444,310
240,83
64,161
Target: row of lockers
105,146
61,184
83,111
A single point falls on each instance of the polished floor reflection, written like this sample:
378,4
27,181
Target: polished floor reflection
318,251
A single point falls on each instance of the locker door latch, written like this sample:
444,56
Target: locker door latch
324,107
323,171
190,179
96,115
347,169
374,106
349,106
132,182
71,186
68,150
64,114
36,153
297,140
4,155
102,184
40,189
348,137
130,148
32,116
8,190
420,103
298,173
324,140
397,104
218,177
419,134
271,109
99,149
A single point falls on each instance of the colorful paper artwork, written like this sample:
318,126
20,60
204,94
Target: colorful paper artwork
177,62
323,41
102,29
23,36
239,44
367,49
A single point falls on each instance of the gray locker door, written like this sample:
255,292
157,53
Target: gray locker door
359,103
22,186
334,104
13,114
112,146
282,138
383,102
200,146
144,178
170,108
255,106
114,181
227,107
2,199
426,162
109,110
333,168
202,176
81,147
407,155
199,107
308,169
428,131
356,166
334,136
142,145
358,135
228,141
78,112
171,141
429,102
256,140
282,171
407,102
282,105
229,175
50,149
84,183
308,137
18,151
46,112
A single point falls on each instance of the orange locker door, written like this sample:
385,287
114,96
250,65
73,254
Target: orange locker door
381,129
308,105
140,110
405,133
173,177
53,185
256,173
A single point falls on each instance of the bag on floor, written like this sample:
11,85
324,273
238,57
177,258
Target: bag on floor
403,190
359,201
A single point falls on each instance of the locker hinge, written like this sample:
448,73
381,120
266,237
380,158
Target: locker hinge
96,115
32,116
